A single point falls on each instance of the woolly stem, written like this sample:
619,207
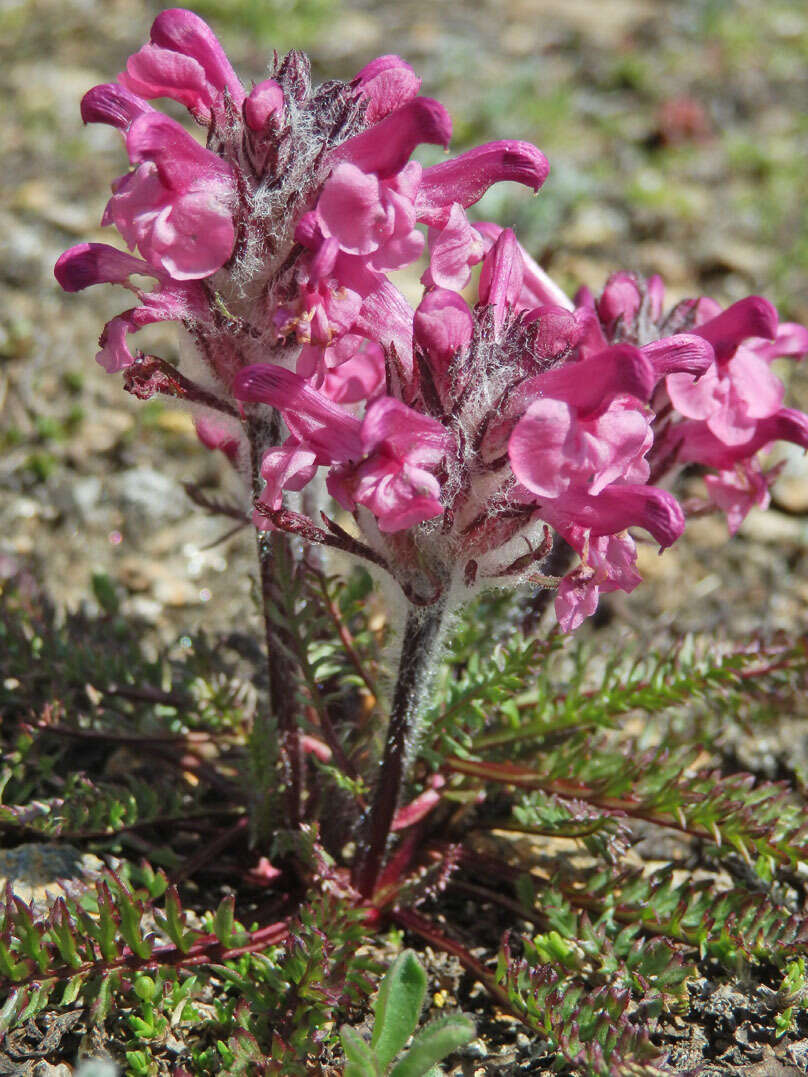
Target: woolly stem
280,719
420,651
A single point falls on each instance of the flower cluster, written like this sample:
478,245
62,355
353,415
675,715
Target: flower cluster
467,437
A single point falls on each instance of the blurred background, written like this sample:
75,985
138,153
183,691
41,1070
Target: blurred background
678,140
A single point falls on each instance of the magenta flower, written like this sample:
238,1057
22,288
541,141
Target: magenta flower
96,263
467,437
177,205
183,61
383,462
720,416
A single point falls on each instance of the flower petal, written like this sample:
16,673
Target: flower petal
466,178
750,317
387,146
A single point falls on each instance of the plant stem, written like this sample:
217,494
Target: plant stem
274,557
420,649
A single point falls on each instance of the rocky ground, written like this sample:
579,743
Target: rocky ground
677,139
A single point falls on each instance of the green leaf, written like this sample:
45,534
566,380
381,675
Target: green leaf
398,1006
434,1043
223,920
361,1059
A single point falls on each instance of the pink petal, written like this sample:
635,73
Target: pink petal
754,383
350,210
540,445
386,83
466,178
180,160
750,317
735,493
620,301
442,326
791,342
621,506
576,599
182,30
288,467
358,378
180,33
398,253
591,384
154,72
502,275
387,146
264,103
195,238
97,263
453,250
115,354
386,317
700,445
683,353
112,104
397,499
696,398
404,432
317,422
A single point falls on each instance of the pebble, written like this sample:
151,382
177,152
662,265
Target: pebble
45,1069
791,488
150,496
774,527
39,873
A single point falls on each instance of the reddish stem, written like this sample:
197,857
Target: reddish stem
415,923
419,649
273,554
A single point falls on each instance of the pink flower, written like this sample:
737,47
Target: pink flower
350,370
177,205
466,178
183,61
385,84
721,403
96,263
264,104
372,217
554,449
453,250
609,563
739,388
394,480
383,462
736,492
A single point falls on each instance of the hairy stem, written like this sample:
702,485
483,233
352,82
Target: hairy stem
420,650
274,557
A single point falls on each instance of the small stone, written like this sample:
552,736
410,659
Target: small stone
791,489
39,873
476,1049
45,1069
775,528
148,495
97,1067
